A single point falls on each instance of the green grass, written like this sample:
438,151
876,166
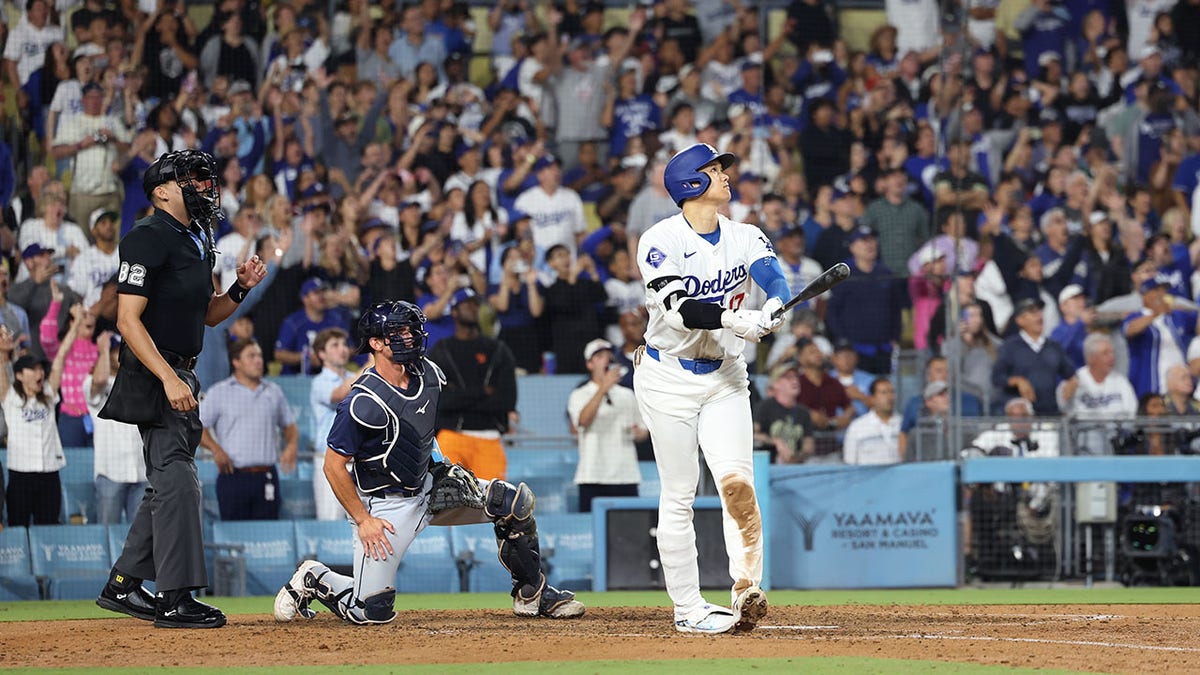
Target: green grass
837,665
86,609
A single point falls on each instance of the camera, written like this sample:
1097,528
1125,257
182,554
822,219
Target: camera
520,267
100,138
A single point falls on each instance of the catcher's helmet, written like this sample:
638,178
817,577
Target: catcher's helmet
183,167
384,320
683,178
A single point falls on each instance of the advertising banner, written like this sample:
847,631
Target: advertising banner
864,526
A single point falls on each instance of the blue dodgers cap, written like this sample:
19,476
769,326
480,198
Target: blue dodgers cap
463,148
373,224
462,295
313,284
35,249
545,161
794,230
861,232
1156,281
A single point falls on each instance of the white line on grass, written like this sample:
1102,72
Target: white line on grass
1077,643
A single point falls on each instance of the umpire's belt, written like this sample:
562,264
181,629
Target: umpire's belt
697,366
176,361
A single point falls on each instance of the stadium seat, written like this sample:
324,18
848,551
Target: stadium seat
542,404
70,561
428,565
298,501
269,551
555,494
210,510
474,547
81,465
16,566
296,389
526,463
79,501
650,486
567,547
326,540
116,544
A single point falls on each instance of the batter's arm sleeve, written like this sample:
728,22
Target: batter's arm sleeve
769,276
692,313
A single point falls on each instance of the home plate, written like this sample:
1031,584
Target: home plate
798,627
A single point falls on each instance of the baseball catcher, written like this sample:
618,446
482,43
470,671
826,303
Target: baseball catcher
400,485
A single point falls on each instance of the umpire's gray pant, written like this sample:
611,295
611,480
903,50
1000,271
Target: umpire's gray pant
166,541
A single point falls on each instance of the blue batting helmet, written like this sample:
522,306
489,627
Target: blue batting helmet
385,320
683,178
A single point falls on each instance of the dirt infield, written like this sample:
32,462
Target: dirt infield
1110,638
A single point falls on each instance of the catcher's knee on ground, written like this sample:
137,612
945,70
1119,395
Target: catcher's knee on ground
374,609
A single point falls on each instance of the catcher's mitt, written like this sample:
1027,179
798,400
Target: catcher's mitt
454,486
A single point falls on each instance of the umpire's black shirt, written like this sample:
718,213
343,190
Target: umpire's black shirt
162,260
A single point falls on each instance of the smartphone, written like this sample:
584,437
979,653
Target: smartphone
190,81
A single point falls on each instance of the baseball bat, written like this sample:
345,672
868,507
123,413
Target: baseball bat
828,279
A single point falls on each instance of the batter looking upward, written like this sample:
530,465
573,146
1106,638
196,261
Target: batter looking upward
691,381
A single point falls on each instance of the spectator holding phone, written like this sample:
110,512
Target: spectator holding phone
605,416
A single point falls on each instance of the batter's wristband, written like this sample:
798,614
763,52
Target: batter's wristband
237,293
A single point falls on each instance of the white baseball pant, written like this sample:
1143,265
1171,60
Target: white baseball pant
685,411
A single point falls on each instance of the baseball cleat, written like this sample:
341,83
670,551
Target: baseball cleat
293,598
549,602
750,608
707,620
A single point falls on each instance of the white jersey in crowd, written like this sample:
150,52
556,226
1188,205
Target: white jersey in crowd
871,440
90,270
33,442
555,218
118,445
1141,15
607,455
715,273
27,45
917,24
1113,398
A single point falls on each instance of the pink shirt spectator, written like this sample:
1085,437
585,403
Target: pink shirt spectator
926,296
77,366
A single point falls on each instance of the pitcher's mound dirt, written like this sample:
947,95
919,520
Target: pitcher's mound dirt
1110,638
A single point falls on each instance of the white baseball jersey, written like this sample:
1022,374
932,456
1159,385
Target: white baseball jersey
672,254
556,218
1108,400
90,270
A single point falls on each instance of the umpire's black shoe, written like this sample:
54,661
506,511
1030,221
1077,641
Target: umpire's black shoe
136,601
187,612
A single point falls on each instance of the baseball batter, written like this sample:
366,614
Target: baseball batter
691,381
400,485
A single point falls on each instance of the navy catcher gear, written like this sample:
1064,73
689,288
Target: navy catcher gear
385,321
683,178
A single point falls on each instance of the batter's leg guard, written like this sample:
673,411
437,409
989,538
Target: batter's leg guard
511,508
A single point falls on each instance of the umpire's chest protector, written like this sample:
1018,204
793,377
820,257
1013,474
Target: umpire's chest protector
397,431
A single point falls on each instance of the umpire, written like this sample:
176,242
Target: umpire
165,298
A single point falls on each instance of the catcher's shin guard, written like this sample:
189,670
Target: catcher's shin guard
511,509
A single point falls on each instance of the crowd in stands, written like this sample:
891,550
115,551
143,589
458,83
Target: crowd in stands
1006,181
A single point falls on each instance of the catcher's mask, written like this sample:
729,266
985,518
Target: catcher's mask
386,321
195,173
